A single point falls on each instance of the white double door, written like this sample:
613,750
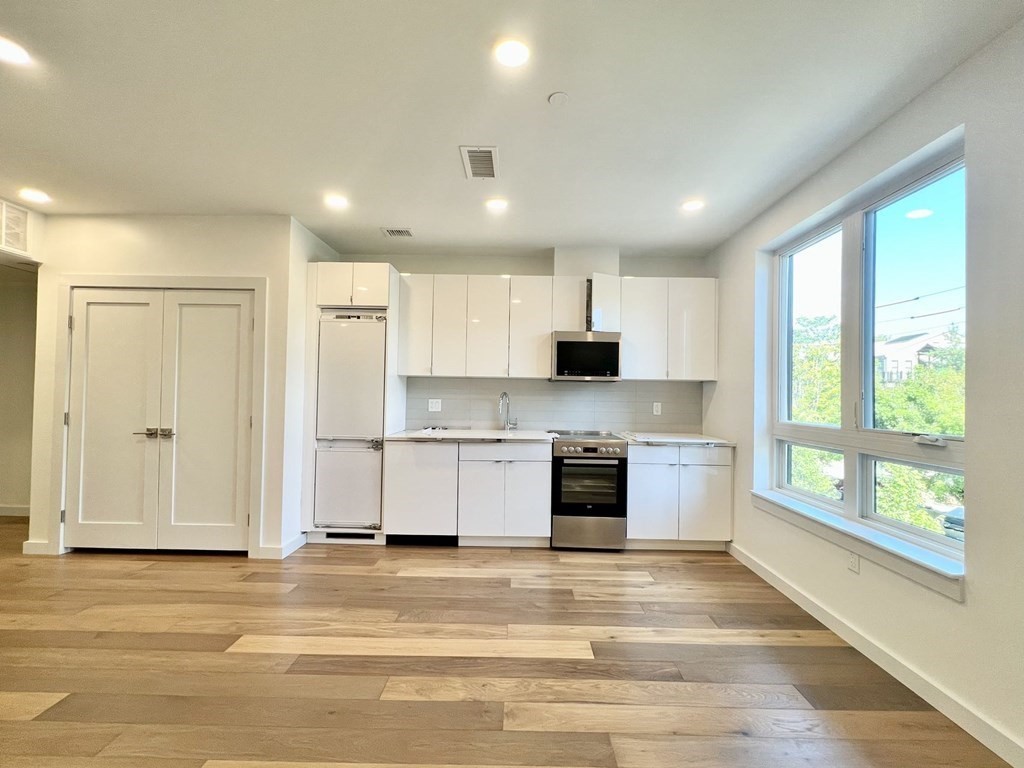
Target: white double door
159,419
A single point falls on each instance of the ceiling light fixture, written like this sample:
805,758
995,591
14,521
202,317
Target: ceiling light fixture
34,196
511,53
919,213
12,53
497,204
693,205
335,202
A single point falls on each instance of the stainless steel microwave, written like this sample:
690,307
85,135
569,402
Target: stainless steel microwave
585,356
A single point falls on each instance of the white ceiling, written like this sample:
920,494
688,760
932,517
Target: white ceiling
260,106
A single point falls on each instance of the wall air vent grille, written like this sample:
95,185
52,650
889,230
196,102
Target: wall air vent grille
395,232
480,162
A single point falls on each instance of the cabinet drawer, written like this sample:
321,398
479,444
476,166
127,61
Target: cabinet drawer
653,454
505,451
700,454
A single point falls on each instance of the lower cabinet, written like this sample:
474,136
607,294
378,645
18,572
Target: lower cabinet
504,490
421,488
679,493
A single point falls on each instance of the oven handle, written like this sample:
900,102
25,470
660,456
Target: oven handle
600,462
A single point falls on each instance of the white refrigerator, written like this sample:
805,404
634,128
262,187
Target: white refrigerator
349,420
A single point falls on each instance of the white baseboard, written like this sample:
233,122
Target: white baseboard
13,510
278,553
323,536
42,548
702,546
978,726
505,541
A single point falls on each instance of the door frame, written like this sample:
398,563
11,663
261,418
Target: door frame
62,384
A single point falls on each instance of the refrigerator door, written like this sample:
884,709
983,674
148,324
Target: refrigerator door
348,484
350,376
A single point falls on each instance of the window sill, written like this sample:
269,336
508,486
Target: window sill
934,570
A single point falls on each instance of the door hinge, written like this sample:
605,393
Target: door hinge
248,519
67,419
254,324
250,422
62,514
71,323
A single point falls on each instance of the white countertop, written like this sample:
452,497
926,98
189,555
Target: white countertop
675,438
474,435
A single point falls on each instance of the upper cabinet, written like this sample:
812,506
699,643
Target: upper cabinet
14,222
693,328
344,284
569,304
645,328
487,340
416,319
530,326
606,302
451,293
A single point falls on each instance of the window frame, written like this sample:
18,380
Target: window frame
859,444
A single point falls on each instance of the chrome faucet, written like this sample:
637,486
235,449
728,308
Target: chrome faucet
505,407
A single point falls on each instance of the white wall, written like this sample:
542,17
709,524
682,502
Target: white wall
967,658
165,246
17,353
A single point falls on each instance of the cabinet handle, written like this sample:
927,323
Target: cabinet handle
150,432
166,432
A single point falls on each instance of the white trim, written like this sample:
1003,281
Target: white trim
948,703
936,571
13,510
704,546
505,541
278,553
42,548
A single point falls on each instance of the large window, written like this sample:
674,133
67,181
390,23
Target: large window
869,416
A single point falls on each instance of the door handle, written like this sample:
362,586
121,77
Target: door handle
166,432
150,432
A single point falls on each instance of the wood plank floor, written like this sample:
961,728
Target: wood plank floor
369,657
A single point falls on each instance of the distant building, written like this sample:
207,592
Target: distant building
896,358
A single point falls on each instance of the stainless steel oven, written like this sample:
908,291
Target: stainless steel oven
588,491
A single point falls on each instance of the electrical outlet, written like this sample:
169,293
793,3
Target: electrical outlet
853,562
434,405
657,409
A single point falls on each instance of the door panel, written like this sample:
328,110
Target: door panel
693,328
115,392
705,503
206,403
487,328
528,498
653,501
448,356
645,328
481,498
350,378
348,485
529,343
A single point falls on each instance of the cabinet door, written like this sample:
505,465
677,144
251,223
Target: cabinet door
370,284
705,503
347,485
449,326
205,409
350,377
487,330
334,284
113,471
528,498
416,317
529,336
652,501
481,498
421,488
645,328
606,301
693,328
569,304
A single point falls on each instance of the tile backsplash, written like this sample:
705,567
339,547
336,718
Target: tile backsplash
538,404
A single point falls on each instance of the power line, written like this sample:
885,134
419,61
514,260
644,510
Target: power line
918,317
918,298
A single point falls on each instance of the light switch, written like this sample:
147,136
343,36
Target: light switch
434,405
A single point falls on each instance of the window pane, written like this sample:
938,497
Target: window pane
815,470
815,297
928,499
918,319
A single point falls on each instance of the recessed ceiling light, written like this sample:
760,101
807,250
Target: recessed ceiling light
693,205
335,201
511,53
919,213
12,53
34,195
497,204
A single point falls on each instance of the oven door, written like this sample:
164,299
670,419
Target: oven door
585,487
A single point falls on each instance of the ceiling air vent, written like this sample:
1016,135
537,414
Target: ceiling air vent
392,232
480,162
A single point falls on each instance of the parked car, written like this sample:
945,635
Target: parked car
953,522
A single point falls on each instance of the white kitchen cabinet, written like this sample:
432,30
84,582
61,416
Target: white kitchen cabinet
569,303
505,489
652,500
481,498
416,318
693,328
645,328
345,284
528,498
705,502
487,340
606,302
530,326
449,325
421,488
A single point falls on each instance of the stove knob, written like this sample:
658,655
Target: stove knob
564,449
618,450
602,450
579,449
